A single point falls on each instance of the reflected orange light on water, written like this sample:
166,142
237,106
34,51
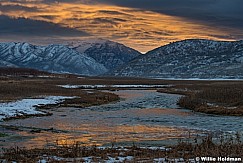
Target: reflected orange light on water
99,136
100,132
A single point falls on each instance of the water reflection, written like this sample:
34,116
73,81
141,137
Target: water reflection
98,136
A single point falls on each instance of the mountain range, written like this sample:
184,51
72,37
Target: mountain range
53,58
193,58
101,56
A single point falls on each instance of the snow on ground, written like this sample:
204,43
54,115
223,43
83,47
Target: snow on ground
175,160
87,159
114,86
120,158
115,160
27,106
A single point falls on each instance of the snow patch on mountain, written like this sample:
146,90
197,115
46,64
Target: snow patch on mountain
82,45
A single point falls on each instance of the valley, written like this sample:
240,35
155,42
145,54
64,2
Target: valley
102,96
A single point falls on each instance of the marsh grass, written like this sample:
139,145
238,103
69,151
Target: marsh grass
211,97
219,99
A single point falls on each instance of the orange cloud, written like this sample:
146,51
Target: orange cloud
142,30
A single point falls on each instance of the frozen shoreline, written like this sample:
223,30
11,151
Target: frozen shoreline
27,106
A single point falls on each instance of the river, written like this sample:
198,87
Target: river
144,117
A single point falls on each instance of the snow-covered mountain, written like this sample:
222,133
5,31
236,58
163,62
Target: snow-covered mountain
110,54
195,58
52,58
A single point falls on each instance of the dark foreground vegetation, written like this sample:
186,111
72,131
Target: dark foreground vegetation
185,151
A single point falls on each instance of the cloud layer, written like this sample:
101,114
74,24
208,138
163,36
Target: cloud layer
27,27
141,24
218,12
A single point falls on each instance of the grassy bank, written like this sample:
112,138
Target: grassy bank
19,87
218,97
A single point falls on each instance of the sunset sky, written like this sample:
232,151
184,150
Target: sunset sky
140,24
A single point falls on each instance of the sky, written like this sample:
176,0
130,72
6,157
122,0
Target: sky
140,24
